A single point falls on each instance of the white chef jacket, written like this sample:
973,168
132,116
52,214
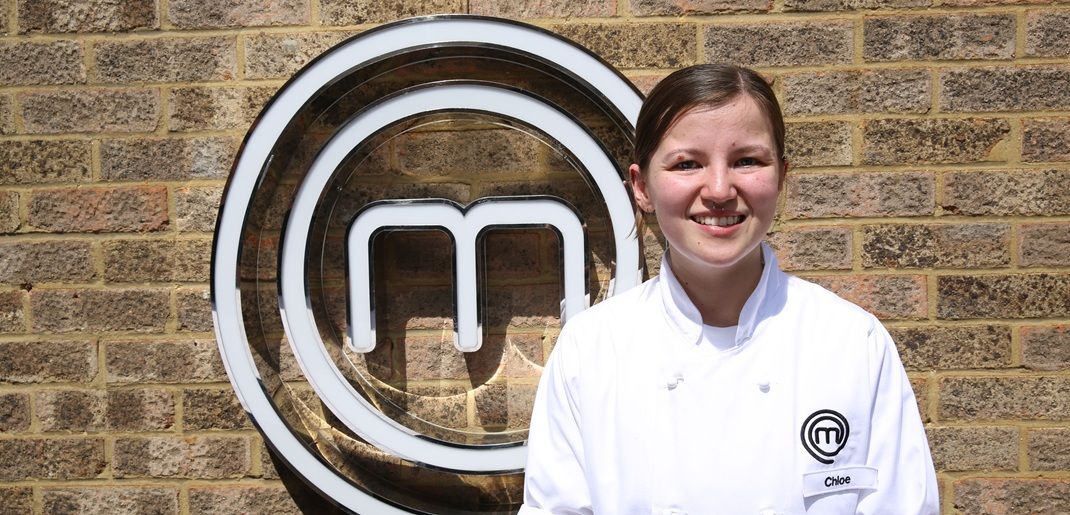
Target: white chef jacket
810,411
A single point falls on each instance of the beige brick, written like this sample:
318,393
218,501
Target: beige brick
48,361
37,162
278,56
946,36
1049,448
1046,347
1031,88
14,413
194,457
850,92
1007,193
143,409
999,495
636,45
521,9
343,12
92,111
506,406
888,297
1047,33
194,310
1046,139
9,212
167,159
1003,296
215,408
813,248
780,44
157,260
953,347
467,153
697,7
117,209
67,310
981,3
51,458
995,398
957,449
936,246
196,208
1044,244
7,115
87,16
31,63
818,144
537,305
16,500
45,261
859,195
111,500
514,254
214,14
12,314
933,140
183,361
216,108
432,358
166,60
209,500
851,5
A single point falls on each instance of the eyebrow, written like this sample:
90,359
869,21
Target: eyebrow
754,148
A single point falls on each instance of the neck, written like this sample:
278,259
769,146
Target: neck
720,293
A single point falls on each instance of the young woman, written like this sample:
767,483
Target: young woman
723,385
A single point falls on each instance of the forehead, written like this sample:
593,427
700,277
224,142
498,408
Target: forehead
740,117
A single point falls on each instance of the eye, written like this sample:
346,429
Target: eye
747,161
686,165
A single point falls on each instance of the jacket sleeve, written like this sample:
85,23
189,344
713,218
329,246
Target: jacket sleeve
898,448
555,479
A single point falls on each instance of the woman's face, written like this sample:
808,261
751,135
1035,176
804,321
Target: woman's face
713,183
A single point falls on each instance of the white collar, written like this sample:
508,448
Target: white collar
683,316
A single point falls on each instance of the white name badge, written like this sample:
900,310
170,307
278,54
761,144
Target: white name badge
836,480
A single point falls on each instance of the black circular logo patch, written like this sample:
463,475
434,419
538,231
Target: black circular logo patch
824,434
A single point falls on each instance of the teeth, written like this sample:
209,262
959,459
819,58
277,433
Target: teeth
720,221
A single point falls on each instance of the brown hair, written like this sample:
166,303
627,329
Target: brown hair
702,85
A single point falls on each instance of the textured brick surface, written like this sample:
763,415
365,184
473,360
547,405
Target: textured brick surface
167,159
782,44
207,14
997,495
937,246
7,115
1046,347
194,310
67,310
543,9
957,449
1003,296
14,412
36,162
1046,139
950,36
48,361
216,408
467,152
32,63
92,110
51,458
244,499
182,361
995,398
1044,244
678,8
634,45
813,248
873,91
935,140
956,347
46,261
17,500
9,211
1007,193
157,260
119,209
1047,33
818,144
196,208
87,16
198,457
859,194
270,56
851,5
1033,88
343,12
166,60
12,313
500,405
97,410
886,296
1049,448
216,108
112,500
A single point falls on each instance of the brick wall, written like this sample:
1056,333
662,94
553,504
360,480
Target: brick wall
931,143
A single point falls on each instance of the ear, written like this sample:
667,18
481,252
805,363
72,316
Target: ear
639,189
785,165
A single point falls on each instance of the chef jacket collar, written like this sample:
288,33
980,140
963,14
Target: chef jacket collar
683,315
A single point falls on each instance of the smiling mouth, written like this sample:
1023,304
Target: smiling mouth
719,221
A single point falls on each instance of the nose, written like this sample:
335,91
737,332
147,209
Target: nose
718,186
